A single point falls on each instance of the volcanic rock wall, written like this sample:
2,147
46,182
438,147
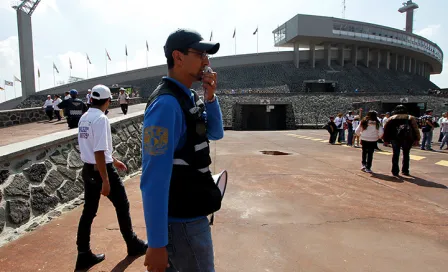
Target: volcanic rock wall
40,175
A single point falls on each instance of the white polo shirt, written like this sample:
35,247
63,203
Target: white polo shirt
94,134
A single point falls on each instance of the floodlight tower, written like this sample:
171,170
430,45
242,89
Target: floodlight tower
24,11
409,8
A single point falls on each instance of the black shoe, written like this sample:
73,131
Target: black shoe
406,174
395,174
137,247
88,259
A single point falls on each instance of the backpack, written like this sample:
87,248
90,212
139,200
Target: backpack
404,132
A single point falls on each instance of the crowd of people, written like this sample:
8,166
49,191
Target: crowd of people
72,108
400,130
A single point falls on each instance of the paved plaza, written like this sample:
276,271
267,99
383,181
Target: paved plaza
310,210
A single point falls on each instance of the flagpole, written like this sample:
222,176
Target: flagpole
106,62
87,66
54,78
146,58
257,39
235,43
15,95
126,62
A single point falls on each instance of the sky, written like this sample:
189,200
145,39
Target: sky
65,29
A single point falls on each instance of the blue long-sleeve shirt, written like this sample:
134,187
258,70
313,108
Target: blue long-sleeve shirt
164,132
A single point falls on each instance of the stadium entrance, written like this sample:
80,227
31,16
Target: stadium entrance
320,86
263,117
414,109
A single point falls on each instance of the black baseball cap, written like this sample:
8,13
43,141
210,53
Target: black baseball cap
186,38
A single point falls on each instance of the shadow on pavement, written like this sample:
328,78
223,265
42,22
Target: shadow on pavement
123,264
424,182
411,179
387,178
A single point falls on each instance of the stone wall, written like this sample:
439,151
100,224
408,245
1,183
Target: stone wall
37,113
312,108
39,176
21,116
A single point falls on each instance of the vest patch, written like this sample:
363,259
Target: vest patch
155,140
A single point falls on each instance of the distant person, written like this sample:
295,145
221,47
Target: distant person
349,119
48,107
370,131
101,178
67,95
74,109
332,130
356,123
402,132
88,95
123,99
57,110
340,124
428,130
444,130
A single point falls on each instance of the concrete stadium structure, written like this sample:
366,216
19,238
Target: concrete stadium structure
335,65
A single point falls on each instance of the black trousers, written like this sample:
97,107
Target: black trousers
124,108
397,146
333,136
92,186
58,114
49,113
72,122
367,153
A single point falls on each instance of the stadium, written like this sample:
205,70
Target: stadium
335,65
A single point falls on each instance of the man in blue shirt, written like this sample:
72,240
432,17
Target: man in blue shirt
177,186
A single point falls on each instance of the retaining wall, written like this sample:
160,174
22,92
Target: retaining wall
28,115
39,176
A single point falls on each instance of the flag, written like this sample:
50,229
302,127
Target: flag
38,72
126,49
211,36
107,53
70,61
88,58
234,33
256,30
147,46
56,68
16,79
9,83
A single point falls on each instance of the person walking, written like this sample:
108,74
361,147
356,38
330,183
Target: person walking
48,106
177,186
444,130
340,122
74,108
332,130
401,130
427,130
57,110
101,178
123,99
370,130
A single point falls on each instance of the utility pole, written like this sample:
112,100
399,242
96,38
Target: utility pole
343,9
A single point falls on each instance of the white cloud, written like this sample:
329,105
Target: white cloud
429,32
9,58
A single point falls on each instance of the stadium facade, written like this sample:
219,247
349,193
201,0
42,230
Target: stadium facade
335,65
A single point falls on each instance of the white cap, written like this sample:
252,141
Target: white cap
122,89
101,92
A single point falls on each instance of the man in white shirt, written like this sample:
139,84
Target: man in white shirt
57,110
48,106
101,178
123,98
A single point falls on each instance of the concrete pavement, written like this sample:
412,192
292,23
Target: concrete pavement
311,210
